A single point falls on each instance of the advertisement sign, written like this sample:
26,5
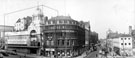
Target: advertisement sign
17,40
50,49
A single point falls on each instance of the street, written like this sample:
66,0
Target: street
15,56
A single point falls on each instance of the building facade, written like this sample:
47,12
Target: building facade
27,36
4,29
126,44
64,36
94,37
122,45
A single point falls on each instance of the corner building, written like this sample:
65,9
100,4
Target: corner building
64,36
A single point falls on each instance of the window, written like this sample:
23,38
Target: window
60,21
63,27
46,23
68,43
57,22
65,21
121,38
125,43
47,42
53,22
129,43
62,42
125,38
49,22
121,43
58,42
58,27
52,42
128,38
72,22
75,22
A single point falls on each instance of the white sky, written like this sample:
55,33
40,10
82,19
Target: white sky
102,14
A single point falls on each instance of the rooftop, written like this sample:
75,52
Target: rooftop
61,17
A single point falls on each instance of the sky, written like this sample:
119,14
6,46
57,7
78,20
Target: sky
116,15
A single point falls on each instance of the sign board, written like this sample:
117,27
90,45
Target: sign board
17,40
50,49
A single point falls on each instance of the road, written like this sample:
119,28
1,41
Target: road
94,54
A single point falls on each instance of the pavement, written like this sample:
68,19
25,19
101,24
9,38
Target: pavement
82,56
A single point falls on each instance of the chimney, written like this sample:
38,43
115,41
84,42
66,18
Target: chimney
130,30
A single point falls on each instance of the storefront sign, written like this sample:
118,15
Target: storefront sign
50,49
17,40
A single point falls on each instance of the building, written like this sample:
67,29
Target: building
126,44
122,45
94,37
60,35
64,36
27,36
87,35
6,29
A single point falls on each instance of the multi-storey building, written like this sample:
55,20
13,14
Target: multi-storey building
122,45
64,35
94,37
87,35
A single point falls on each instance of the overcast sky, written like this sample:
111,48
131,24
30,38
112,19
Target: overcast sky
102,14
